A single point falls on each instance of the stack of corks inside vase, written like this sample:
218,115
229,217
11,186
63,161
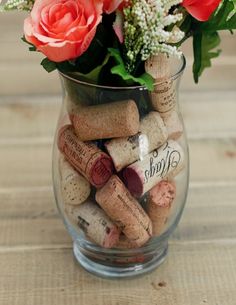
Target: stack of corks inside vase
102,189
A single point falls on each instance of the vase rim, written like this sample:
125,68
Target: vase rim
139,87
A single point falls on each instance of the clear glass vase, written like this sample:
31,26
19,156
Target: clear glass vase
120,172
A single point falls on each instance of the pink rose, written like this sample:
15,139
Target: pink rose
63,29
110,6
201,9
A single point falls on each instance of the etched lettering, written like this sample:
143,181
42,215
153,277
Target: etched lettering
160,167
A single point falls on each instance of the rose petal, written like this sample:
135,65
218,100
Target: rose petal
110,6
199,9
63,29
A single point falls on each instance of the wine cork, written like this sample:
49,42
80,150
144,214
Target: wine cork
159,204
152,135
158,66
163,98
113,120
74,187
143,175
174,125
95,223
125,211
71,106
95,165
125,243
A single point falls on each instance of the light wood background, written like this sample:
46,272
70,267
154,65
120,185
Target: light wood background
36,261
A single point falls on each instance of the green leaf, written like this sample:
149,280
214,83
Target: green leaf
145,79
223,19
97,51
89,77
32,48
234,10
48,65
203,46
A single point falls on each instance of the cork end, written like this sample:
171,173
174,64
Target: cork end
133,181
132,118
163,194
112,238
101,171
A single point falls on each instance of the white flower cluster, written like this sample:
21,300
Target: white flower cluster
146,30
20,5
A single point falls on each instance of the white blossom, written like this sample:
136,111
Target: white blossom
146,32
20,5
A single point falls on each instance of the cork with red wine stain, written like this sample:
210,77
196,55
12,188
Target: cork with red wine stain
143,175
160,200
95,165
113,120
93,221
125,211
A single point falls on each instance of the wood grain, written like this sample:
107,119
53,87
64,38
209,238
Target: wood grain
32,117
14,52
49,84
206,114
29,217
29,165
36,261
195,274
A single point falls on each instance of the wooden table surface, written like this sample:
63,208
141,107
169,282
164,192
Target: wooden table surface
36,262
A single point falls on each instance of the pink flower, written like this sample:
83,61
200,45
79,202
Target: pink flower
201,9
63,29
110,6
118,26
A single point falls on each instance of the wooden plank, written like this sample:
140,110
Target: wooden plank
213,160
209,214
25,165
29,117
34,80
14,55
36,116
209,114
29,218
17,51
11,28
29,164
14,49
193,274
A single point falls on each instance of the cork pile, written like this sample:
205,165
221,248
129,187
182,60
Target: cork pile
102,188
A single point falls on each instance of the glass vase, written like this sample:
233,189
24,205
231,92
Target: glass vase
120,172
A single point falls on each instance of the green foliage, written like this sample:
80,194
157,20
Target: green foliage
106,61
48,65
145,79
203,44
96,53
32,48
206,37
223,19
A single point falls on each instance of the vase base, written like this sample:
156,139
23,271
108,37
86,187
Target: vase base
117,270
